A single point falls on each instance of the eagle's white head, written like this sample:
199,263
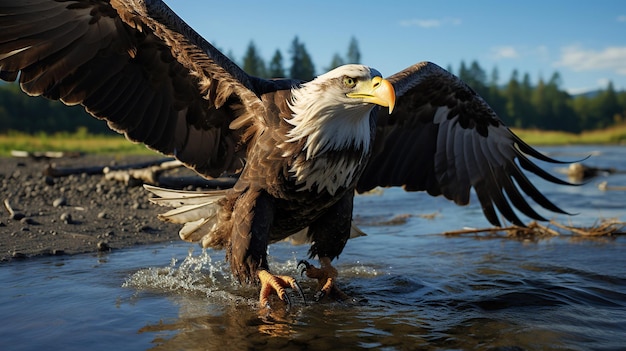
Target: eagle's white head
332,113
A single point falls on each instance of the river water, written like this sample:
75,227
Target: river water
414,287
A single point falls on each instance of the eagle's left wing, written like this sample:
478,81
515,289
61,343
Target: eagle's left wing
137,65
444,139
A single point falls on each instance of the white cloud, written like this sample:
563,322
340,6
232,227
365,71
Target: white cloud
601,83
542,52
511,52
621,18
430,23
422,23
504,52
579,59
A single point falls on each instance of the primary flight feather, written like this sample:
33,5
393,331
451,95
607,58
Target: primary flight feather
300,149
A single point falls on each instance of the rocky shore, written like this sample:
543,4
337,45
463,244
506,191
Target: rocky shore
75,213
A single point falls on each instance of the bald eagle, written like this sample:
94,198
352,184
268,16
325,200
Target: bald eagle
300,149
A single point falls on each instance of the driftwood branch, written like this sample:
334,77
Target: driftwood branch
38,155
149,175
604,186
578,172
54,171
12,213
606,227
8,207
150,172
153,175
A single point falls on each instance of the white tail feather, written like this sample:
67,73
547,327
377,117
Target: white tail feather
189,213
195,231
197,211
179,201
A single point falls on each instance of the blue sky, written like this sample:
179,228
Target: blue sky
585,41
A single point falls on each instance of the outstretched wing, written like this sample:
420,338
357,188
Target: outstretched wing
136,64
443,138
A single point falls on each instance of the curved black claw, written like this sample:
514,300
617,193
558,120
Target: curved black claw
302,267
319,295
300,292
305,265
287,301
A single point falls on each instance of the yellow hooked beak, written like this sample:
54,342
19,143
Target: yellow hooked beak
377,91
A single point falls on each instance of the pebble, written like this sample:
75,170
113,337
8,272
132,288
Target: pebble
103,246
17,216
103,215
27,220
61,201
18,255
146,228
49,180
66,217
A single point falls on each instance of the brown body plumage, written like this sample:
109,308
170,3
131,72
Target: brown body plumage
300,149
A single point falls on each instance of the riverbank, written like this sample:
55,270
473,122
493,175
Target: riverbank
76,213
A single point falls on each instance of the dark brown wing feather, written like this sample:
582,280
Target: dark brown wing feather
444,139
137,65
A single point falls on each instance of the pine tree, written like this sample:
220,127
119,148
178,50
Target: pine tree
335,62
513,96
301,63
253,64
354,54
494,97
275,69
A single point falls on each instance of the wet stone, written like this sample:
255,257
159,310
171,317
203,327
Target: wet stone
27,220
49,180
57,252
103,246
146,228
18,255
67,218
17,216
58,202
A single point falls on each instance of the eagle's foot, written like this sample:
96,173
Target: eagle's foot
277,283
326,277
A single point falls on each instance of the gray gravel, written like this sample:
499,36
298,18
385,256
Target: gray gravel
76,213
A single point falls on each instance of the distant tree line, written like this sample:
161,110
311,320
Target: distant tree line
519,102
544,105
20,112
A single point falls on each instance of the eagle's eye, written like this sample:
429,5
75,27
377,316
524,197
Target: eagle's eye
349,82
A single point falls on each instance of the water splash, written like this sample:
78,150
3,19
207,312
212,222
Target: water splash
194,275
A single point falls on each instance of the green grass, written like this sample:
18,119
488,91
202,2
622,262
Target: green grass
612,135
81,141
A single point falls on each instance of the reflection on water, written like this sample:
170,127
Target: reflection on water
416,288
456,293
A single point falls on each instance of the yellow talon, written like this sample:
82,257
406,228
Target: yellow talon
277,283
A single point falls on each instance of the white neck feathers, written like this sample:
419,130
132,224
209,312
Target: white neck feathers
324,122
